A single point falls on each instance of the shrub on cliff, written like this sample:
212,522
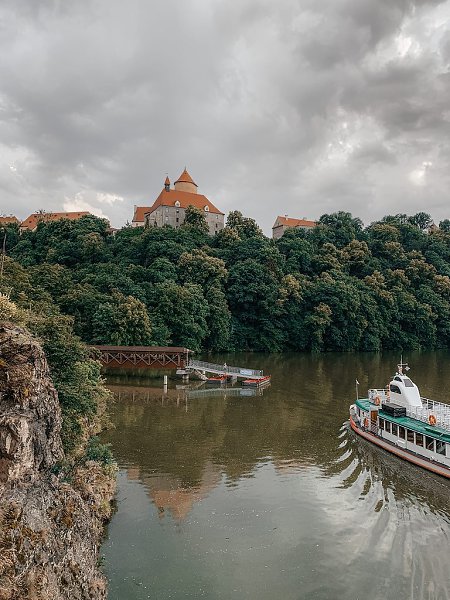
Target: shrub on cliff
76,376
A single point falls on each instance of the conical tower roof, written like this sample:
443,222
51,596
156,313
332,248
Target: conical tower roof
185,178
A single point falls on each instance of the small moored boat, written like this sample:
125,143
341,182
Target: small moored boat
399,420
262,381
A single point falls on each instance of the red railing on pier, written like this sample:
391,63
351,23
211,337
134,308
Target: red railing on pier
143,357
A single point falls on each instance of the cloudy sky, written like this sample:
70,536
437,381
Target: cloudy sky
298,107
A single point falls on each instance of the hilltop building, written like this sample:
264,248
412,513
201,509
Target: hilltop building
139,216
170,206
283,223
31,223
4,220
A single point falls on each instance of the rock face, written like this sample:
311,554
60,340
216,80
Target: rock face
50,527
30,416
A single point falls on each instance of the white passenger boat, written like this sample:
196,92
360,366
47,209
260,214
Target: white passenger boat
399,420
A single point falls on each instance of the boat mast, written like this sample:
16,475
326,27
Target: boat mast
402,366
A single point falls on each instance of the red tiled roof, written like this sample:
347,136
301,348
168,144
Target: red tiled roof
185,199
33,220
139,214
185,178
288,222
8,220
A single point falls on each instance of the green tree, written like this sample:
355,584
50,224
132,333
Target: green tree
421,220
252,293
218,320
184,311
444,225
199,267
245,227
123,321
196,219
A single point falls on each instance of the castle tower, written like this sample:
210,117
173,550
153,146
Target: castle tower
185,183
167,184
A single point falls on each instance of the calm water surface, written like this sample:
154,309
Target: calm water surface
223,496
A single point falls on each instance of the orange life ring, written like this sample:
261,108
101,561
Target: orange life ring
366,422
377,400
432,420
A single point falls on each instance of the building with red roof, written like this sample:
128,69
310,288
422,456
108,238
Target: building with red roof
170,206
139,216
11,219
31,223
283,223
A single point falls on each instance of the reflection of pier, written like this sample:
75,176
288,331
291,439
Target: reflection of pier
223,392
181,394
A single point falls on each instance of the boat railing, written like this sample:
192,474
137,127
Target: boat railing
381,394
431,412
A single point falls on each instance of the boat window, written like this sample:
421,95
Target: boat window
397,378
401,432
429,443
387,426
394,429
394,388
381,423
408,382
440,447
410,436
419,439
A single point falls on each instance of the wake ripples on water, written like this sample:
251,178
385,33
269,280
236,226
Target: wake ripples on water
400,518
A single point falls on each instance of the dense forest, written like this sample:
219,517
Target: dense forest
340,286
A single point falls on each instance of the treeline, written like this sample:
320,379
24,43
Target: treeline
337,287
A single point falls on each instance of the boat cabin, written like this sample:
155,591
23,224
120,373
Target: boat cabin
403,392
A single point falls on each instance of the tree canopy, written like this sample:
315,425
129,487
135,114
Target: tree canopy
340,286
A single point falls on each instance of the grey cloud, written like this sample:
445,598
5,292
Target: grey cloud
274,107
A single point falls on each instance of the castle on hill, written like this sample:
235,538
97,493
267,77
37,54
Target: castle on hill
170,206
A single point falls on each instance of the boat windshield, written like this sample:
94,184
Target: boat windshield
408,382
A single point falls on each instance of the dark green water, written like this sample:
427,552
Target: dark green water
265,497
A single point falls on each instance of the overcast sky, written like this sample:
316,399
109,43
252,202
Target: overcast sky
297,107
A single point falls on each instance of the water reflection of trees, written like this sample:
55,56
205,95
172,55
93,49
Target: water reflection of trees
186,447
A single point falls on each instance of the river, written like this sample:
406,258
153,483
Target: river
270,496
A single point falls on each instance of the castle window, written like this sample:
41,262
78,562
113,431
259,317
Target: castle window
206,208
177,203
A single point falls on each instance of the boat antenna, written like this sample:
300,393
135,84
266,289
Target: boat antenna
356,386
402,366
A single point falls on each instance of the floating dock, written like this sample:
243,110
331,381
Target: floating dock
200,368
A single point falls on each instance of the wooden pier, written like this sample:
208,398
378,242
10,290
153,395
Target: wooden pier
143,357
165,357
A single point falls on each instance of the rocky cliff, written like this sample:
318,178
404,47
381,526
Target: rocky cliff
50,524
